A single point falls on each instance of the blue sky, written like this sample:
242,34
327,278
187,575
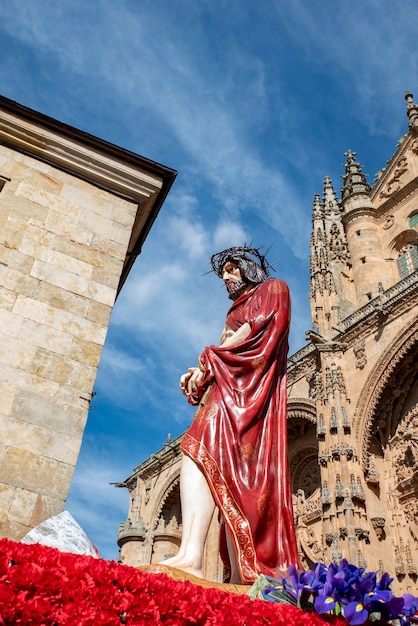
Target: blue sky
253,103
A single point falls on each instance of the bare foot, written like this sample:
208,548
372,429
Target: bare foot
171,561
188,567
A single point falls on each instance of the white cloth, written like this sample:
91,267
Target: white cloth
63,532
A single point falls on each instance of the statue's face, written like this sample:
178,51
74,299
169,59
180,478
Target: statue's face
231,275
230,272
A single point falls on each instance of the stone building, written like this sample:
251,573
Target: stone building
353,390
74,213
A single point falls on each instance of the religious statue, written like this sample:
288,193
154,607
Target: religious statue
235,452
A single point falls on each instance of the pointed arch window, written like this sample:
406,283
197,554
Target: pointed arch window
408,259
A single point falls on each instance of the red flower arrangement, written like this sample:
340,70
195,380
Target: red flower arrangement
45,587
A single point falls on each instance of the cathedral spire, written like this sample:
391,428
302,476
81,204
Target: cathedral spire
331,204
317,212
330,262
354,180
411,110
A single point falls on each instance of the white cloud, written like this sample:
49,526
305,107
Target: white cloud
188,235
211,127
227,234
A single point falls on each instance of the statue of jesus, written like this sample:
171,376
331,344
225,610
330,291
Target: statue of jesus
235,451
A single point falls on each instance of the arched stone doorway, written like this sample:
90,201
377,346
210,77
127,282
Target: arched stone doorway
305,479
167,525
388,428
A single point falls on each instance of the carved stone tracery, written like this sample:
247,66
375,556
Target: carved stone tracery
359,349
169,505
377,382
304,470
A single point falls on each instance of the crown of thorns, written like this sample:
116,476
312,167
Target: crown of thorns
253,255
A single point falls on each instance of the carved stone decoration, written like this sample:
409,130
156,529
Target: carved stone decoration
404,447
310,379
336,554
348,504
304,470
312,510
339,383
411,111
298,505
362,534
334,380
310,545
377,383
301,408
328,381
354,179
349,452
336,454
409,246
410,508
333,422
337,246
372,475
314,381
320,427
410,563
359,350
394,183
169,507
356,488
339,488
343,532
378,524
331,538
147,491
346,419
325,494
323,459
345,450
414,146
127,530
389,222
400,569
361,561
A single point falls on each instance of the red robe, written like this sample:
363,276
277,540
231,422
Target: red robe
239,439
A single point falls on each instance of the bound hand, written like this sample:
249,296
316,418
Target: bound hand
190,381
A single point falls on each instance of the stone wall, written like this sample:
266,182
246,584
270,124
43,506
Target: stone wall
74,212
63,244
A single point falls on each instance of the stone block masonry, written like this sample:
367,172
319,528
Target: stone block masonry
72,211
49,348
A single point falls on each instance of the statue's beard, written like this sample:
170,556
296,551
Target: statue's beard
236,288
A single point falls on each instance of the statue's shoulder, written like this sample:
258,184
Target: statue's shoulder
275,285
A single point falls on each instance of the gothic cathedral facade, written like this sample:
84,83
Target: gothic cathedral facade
352,390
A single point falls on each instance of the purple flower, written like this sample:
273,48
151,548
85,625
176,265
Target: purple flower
323,604
384,582
409,612
355,613
350,590
292,587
